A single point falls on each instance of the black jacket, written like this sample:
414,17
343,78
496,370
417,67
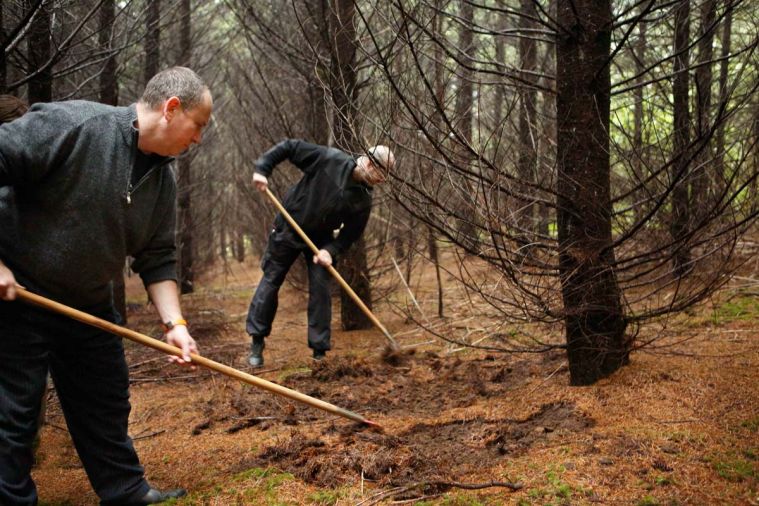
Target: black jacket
325,197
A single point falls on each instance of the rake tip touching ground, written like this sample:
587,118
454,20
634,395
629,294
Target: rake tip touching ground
374,425
394,355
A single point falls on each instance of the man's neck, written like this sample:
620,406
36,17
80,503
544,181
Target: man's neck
145,124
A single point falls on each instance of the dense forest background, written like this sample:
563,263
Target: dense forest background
588,163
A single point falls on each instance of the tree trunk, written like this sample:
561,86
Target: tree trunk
638,147
109,94
679,176
594,319
466,207
109,86
528,154
184,176
719,141
545,171
3,64
701,182
40,88
439,84
152,39
353,264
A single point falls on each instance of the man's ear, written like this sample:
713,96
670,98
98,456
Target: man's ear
171,106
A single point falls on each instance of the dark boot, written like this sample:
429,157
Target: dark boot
155,496
319,355
257,346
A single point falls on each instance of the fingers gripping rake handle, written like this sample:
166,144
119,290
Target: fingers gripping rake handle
56,307
332,270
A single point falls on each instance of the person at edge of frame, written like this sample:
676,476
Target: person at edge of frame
92,186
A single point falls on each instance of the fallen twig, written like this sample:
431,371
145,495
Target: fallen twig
145,436
442,485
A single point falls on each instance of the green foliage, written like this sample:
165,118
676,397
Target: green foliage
327,497
255,485
751,424
461,500
648,500
557,490
738,308
735,469
286,373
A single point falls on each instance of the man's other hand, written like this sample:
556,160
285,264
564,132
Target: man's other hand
260,182
7,283
180,337
323,258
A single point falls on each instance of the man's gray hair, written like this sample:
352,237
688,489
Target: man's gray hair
382,156
178,82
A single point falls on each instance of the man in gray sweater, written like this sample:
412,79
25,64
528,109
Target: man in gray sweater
93,186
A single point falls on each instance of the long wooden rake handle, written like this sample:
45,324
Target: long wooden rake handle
332,270
75,314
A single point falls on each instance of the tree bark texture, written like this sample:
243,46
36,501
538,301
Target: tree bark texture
465,207
726,41
701,190
152,39
528,153
680,168
594,319
3,64
109,85
184,179
40,88
353,264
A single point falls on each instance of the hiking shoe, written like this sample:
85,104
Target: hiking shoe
319,354
155,496
256,358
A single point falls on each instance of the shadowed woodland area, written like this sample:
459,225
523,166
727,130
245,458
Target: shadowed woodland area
567,251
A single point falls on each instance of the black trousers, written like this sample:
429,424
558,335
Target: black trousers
281,252
92,381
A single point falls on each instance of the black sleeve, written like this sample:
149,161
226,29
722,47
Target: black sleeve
34,144
350,233
158,260
303,155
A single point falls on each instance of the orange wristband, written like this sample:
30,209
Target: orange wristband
167,326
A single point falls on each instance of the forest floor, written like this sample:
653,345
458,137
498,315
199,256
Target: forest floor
678,425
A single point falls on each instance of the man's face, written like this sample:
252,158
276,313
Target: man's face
184,127
373,173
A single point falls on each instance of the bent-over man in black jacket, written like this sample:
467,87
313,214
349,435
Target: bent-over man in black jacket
335,191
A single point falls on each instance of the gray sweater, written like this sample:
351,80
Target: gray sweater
78,215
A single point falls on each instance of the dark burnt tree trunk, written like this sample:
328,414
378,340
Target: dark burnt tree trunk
152,39
679,176
638,148
40,88
527,159
353,264
109,94
719,140
595,323
3,63
439,83
184,172
465,205
701,190
109,85
545,170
